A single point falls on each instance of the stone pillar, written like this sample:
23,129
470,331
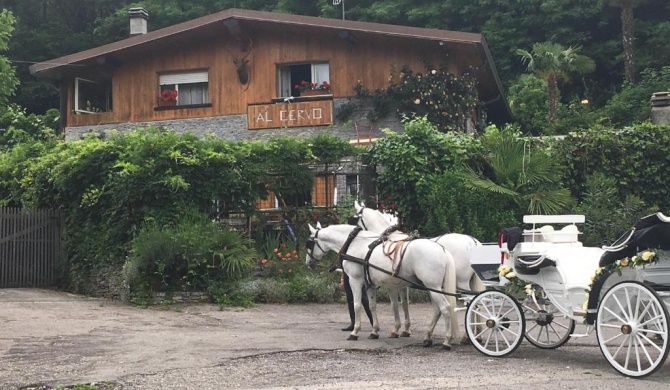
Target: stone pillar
660,108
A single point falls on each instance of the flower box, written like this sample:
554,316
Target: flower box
315,92
166,102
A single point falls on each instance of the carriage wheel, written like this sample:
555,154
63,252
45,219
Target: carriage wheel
632,329
546,327
494,323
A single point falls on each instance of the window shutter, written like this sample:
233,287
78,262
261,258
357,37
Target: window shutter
184,78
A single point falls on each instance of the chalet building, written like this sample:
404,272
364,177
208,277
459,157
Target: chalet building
234,74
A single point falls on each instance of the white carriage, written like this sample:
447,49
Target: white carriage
567,283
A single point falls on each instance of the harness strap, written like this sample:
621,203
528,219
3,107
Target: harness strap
413,284
347,243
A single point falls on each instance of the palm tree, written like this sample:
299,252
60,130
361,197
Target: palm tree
521,171
552,62
627,34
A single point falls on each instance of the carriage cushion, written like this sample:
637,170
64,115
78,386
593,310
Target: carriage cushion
650,232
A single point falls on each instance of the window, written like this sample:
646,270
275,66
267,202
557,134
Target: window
290,75
324,193
92,96
191,88
270,202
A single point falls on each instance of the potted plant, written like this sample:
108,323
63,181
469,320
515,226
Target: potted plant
311,89
168,97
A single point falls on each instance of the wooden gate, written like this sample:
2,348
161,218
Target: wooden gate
30,247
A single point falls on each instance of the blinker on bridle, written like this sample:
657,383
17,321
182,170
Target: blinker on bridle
358,217
310,244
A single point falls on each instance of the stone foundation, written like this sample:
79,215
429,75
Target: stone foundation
181,297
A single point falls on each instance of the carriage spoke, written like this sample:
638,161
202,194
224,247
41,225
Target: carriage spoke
637,353
620,346
559,324
645,311
509,331
507,312
654,319
529,331
505,338
482,314
651,342
614,337
488,339
554,330
615,315
630,341
623,310
610,326
628,300
646,353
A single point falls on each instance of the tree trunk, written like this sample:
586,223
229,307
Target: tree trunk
628,37
552,96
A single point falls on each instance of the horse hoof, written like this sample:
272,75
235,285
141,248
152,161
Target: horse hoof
373,336
446,347
352,337
427,343
404,334
465,340
393,335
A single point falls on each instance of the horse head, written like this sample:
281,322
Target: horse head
310,259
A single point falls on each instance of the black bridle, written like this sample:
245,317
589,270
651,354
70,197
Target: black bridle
309,245
356,218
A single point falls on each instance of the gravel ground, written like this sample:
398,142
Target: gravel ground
51,338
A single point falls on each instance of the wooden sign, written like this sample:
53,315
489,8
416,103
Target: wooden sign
299,114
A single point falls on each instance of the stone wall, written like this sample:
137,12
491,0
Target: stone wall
234,127
161,298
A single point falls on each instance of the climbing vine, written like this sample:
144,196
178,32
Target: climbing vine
446,100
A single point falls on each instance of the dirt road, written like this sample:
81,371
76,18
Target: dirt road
53,338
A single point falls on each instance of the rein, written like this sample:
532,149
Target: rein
365,263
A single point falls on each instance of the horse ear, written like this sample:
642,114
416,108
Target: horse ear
318,225
358,206
311,229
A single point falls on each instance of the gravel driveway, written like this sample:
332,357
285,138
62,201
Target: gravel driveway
54,338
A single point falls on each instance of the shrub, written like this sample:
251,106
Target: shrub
608,213
455,208
187,256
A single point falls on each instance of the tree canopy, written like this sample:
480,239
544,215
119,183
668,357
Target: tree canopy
48,29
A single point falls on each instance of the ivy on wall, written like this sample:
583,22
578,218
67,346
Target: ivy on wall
448,101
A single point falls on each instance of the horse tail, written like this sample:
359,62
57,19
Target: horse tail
449,281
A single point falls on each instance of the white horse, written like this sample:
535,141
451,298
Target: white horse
455,243
423,262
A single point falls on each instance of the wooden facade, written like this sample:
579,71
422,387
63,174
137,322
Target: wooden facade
354,51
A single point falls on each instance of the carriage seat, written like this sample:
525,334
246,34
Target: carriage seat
547,233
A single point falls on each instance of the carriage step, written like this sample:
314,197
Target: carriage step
579,313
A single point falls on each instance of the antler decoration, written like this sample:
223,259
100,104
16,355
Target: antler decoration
241,63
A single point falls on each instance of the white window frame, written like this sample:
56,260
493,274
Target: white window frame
185,77
81,110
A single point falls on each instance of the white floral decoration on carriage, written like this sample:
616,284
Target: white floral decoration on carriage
647,257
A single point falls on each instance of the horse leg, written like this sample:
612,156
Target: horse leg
428,340
405,309
372,300
357,291
393,296
444,307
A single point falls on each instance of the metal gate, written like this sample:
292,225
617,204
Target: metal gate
30,247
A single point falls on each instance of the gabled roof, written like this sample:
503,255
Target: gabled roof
57,68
